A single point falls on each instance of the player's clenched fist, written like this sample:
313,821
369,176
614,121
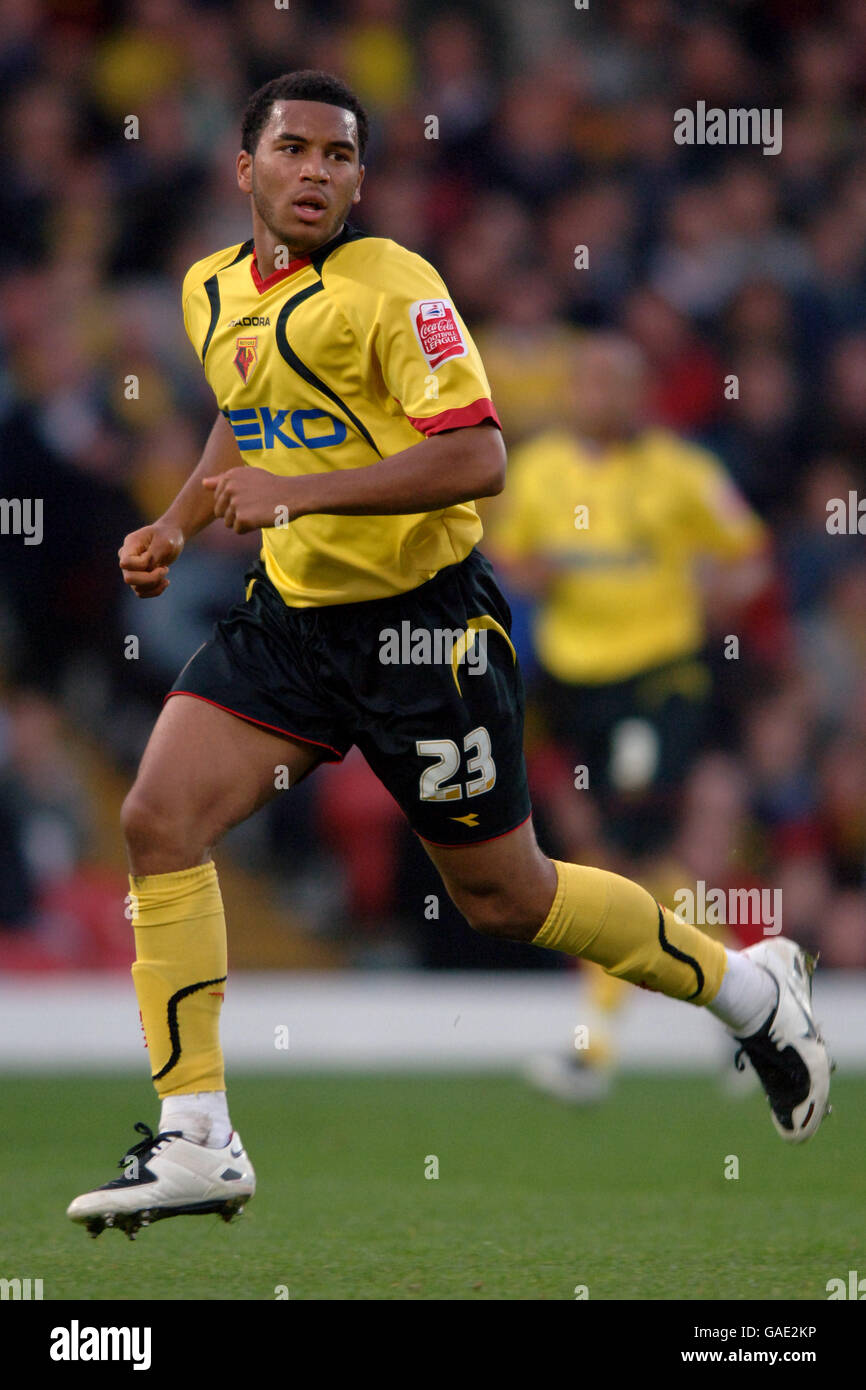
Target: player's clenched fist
146,555
247,498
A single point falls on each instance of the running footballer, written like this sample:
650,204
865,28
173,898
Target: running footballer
355,428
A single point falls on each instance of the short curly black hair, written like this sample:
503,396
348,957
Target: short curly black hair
306,85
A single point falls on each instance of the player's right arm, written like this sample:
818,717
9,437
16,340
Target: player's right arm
146,554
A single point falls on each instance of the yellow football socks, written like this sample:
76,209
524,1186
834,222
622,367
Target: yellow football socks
606,918
180,975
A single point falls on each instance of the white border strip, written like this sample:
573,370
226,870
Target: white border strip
395,1021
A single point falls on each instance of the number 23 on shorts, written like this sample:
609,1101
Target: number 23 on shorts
435,784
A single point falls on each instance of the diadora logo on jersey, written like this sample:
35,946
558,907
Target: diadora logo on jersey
262,428
246,357
437,330
250,321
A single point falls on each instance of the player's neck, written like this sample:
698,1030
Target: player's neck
599,443
274,254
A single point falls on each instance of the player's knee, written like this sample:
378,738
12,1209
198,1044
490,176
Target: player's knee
152,831
497,914
139,822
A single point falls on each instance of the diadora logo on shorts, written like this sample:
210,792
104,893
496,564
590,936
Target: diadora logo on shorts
259,427
437,330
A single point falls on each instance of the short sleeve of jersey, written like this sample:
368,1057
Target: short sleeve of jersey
196,300
195,314
425,354
717,517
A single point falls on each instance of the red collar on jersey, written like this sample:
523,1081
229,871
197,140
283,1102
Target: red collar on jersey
278,275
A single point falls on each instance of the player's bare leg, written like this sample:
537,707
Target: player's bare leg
507,888
204,770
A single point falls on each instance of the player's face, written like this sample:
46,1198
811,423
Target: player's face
305,173
607,391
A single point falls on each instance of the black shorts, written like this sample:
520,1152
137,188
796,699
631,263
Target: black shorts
426,683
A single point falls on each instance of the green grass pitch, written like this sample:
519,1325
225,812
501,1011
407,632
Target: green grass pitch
533,1198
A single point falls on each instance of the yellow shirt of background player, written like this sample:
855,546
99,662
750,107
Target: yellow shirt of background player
627,525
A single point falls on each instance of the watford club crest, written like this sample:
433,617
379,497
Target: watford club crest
246,357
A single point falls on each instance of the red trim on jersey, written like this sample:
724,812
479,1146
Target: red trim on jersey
276,276
260,723
472,843
459,418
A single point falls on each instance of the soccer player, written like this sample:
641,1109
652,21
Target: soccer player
620,626
355,428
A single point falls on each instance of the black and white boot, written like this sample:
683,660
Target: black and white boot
167,1175
788,1052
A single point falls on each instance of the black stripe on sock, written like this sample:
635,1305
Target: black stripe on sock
171,1019
679,955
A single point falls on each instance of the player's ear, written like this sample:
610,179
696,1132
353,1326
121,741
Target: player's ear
245,166
356,196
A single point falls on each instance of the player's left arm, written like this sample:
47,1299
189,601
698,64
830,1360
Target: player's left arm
454,466
732,544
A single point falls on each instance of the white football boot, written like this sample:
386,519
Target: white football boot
788,1052
167,1175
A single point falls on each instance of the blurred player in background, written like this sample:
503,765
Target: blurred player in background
355,428
625,535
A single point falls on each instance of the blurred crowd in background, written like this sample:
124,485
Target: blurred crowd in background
555,129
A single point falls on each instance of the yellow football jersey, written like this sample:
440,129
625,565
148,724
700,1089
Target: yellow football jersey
626,526
348,355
